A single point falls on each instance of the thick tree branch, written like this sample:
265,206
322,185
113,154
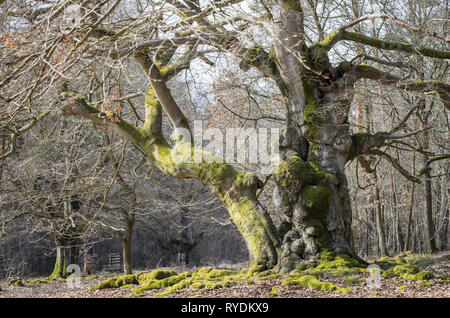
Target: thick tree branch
395,46
77,106
364,143
363,57
257,57
162,92
399,22
342,34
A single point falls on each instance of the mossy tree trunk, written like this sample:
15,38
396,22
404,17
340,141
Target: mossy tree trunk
315,147
408,236
67,252
312,184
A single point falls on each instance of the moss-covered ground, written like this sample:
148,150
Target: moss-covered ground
326,276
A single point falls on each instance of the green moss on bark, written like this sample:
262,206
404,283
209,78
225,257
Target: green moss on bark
294,173
316,199
300,181
247,218
392,45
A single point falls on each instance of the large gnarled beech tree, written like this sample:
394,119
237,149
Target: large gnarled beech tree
316,143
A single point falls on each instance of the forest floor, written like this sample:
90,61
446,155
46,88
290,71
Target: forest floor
396,287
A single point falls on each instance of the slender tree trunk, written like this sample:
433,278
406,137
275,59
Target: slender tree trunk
379,220
428,216
399,244
367,240
410,210
312,185
126,246
418,237
424,114
444,215
410,213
